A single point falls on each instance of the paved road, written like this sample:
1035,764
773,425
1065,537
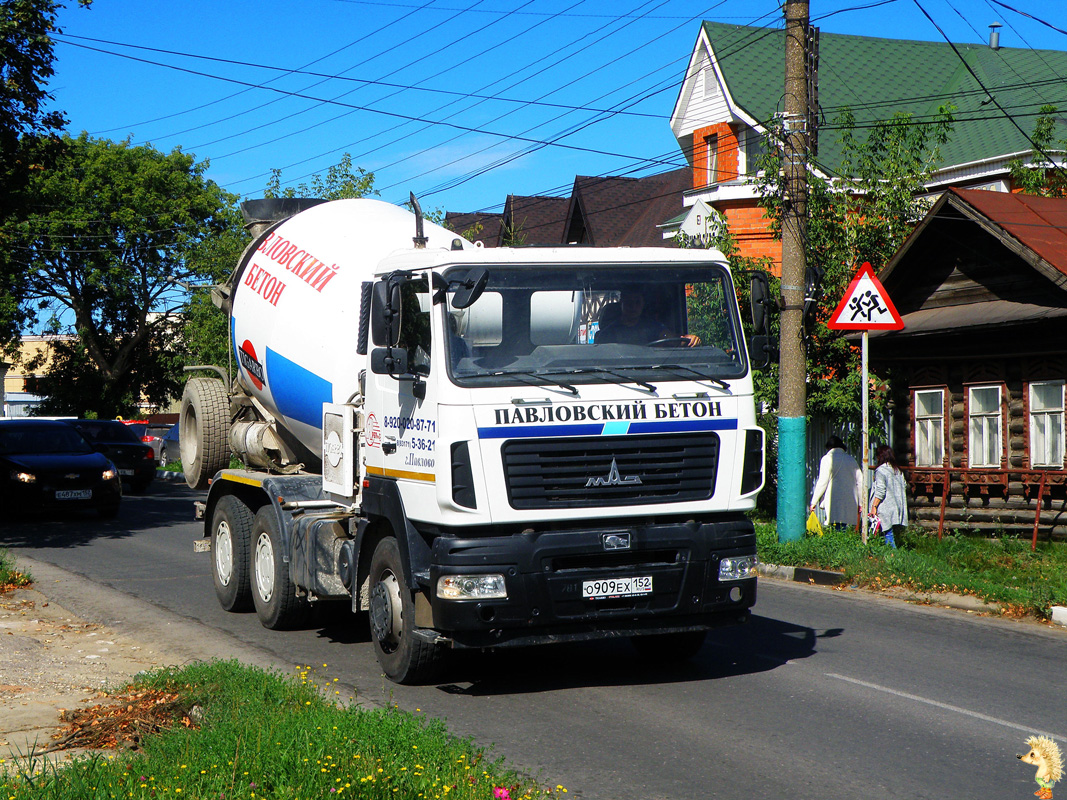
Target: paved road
826,694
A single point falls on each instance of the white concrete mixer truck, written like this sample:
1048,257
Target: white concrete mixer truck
476,447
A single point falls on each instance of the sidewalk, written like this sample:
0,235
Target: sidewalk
53,659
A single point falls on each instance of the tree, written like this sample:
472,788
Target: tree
27,127
339,183
1041,176
865,215
109,234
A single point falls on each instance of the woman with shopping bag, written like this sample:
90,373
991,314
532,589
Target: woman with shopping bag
838,487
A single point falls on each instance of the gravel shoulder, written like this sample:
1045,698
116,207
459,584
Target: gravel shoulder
66,640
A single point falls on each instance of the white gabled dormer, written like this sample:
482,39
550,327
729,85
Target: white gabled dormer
710,129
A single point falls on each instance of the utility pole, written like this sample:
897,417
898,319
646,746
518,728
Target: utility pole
792,392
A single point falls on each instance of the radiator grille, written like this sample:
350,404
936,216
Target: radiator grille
578,472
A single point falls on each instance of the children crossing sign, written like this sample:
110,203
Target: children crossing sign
865,306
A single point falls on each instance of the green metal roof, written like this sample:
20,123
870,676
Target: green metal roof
879,77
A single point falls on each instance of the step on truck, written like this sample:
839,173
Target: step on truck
476,447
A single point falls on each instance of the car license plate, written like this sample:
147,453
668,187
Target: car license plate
126,472
74,494
616,587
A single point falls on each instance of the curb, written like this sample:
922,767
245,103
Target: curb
169,475
817,577
822,577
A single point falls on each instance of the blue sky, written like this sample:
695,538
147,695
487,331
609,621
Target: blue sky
454,100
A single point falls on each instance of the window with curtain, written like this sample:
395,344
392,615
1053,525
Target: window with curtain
1046,424
930,428
984,421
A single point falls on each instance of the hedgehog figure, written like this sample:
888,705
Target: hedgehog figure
1046,756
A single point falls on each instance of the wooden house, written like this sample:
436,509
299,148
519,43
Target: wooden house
978,371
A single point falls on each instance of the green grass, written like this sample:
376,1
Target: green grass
11,578
265,735
998,570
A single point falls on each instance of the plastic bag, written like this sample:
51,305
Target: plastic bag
814,526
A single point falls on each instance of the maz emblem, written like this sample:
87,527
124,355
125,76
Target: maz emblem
613,478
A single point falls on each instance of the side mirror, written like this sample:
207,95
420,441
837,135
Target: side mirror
761,351
385,313
759,299
471,288
389,361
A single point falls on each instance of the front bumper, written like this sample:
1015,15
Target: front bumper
544,573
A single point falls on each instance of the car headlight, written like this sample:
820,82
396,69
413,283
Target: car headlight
472,587
23,477
109,474
735,568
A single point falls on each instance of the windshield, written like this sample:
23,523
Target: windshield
41,439
593,324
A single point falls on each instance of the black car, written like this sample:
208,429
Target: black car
136,461
47,464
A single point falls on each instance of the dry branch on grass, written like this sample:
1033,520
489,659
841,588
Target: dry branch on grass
121,723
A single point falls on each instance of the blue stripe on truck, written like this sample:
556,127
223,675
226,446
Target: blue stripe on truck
606,428
298,393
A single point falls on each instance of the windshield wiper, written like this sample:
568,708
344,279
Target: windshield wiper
605,371
717,381
525,373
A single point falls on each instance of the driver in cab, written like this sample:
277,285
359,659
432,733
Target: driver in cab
636,323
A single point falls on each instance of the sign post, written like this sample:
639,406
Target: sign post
865,307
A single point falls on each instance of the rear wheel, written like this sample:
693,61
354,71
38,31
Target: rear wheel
231,543
669,646
273,593
402,656
203,430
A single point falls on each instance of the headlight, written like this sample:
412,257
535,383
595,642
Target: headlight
472,587
23,477
109,474
736,568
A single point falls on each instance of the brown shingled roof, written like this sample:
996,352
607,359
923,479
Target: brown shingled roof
613,212
535,219
467,223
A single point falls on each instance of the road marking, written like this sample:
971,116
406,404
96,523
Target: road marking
947,707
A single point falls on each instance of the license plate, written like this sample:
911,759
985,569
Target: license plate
126,472
74,494
616,587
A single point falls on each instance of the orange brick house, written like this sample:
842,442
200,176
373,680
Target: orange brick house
732,91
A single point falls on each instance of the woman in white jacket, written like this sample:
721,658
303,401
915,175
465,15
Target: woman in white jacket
839,486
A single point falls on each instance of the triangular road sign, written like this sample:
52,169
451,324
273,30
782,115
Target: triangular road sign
865,306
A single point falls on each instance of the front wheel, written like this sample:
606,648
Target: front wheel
231,543
402,656
273,593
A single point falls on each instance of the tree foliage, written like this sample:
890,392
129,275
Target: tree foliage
1041,176
111,230
340,182
865,214
27,129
